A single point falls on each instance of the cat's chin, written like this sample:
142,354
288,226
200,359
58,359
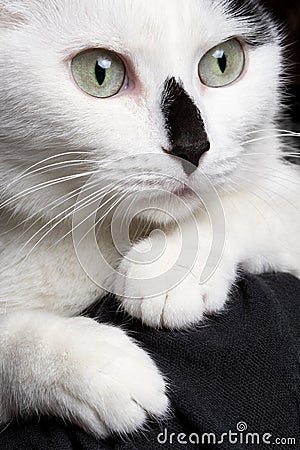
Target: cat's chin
170,207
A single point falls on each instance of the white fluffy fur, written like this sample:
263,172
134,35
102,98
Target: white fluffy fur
51,361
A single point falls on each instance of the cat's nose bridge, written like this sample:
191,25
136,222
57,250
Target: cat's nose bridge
184,125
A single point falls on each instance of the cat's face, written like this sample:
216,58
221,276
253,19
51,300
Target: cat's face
44,112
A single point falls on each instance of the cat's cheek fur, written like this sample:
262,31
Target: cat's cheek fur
75,368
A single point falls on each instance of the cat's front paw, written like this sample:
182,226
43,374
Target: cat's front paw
174,302
180,307
91,374
115,385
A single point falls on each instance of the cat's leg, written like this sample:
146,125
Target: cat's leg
77,369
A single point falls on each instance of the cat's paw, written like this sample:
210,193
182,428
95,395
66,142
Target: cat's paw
115,386
91,374
172,302
180,307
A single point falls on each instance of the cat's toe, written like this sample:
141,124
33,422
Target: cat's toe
164,294
180,307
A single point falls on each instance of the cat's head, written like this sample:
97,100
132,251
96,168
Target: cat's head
119,83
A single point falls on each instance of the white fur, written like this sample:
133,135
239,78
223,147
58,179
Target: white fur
92,374
73,367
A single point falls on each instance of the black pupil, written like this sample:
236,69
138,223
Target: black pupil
100,73
222,61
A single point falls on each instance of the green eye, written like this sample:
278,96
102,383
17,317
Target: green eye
223,64
99,72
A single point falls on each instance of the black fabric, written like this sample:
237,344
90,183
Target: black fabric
239,366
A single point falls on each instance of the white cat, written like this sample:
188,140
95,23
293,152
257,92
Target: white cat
98,97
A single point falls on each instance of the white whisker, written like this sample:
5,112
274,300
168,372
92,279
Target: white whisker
269,137
273,130
46,184
100,219
53,227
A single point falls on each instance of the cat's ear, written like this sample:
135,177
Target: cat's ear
10,16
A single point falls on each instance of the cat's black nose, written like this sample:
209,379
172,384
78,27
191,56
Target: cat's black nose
185,126
190,156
